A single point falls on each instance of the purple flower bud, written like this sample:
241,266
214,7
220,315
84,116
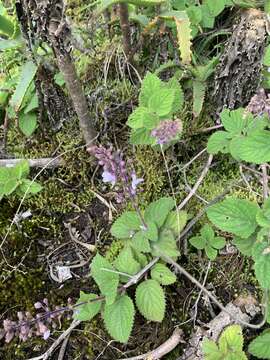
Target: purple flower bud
38,305
9,336
135,181
46,334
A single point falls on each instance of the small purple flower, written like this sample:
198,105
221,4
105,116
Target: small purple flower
135,181
108,177
166,131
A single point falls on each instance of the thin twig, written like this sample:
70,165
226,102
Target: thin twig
265,181
48,162
137,277
163,349
197,184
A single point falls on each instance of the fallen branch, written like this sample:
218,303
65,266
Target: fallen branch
48,162
163,349
243,308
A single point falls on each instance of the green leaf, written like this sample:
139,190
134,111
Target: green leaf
119,317
259,347
107,281
183,27
32,105
87,311
104,4
126,263
215,7
161,103
255,148
173,84
237,216
211,350
158,210
217,242
207,232
29,187
28,72
236,121
141,117
244,245
263,215
9,44
176,221
140,243
151,233
194,14
211,252
150,300
125,226
151,85
231,339
261,257
219,142
198,242
208,21
266,57
20,170
141,137
166,245
27,123
199,89
162,274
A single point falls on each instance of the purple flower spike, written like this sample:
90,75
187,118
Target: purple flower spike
166,131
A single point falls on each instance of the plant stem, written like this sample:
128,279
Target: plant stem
125,27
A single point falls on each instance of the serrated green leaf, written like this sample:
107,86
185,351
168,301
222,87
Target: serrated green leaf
27,123
255,148
119,317
231,339
151,85
107,281
244,245
141,258
259,347
158,210
22,169
140,243
263,215
162,274
161,103
32,105
199,89
207,232
176,221
208,21
28,72
151,233
141,137
261,257
87,311
237,216
9,186
211,350
219,142
150,300
126,263
174,85
125,226
194,14
199,242
166,245
29,187
234,121
210,252
141,117
217,242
